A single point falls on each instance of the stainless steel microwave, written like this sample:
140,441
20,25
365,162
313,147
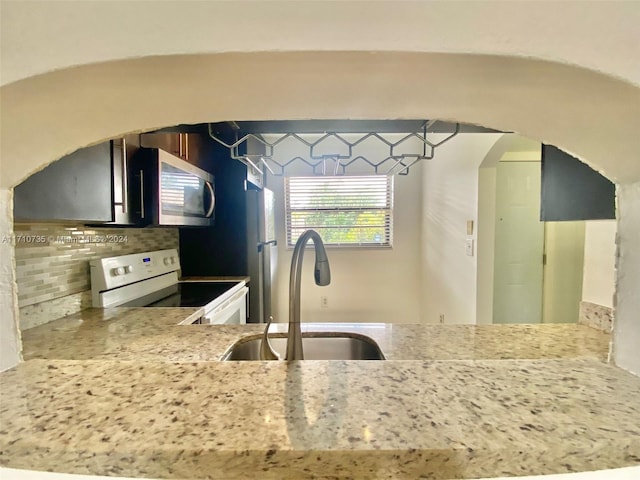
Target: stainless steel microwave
173,191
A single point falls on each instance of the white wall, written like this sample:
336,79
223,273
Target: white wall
72,33
598,284
532,84
450,198
367,285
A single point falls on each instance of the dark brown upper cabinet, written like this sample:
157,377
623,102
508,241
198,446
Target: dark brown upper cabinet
187,146
91,185
571,190
76,187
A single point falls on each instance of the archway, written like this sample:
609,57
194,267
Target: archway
55,113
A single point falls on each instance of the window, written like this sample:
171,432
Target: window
345,211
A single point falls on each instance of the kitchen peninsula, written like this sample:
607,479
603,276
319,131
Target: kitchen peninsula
129,392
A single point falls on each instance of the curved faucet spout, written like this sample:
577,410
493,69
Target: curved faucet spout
322,276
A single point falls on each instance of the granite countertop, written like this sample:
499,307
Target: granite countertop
451,402
153,334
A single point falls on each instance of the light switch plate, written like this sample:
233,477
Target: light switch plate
469,227
470,247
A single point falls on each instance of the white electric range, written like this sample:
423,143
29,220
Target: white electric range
150,279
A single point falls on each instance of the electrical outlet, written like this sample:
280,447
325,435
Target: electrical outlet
442,318
324,302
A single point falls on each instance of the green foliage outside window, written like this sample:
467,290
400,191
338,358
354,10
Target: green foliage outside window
343,210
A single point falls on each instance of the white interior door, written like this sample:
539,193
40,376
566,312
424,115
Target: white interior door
519,244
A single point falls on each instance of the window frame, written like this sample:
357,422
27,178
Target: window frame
387,242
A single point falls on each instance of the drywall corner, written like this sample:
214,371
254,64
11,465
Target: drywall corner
486,231
9,331
626,328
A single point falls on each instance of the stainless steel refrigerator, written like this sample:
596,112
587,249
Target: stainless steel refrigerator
242,239
262,253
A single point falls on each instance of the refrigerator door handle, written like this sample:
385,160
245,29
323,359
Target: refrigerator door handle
261,245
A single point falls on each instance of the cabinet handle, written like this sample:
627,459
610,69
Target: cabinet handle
141,194
185,153
213,200
125,177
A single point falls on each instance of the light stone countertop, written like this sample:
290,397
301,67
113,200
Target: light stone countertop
451,402
153,334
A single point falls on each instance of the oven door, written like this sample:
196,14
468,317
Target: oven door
232,311
186,193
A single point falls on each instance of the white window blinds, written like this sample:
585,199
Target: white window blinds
345,211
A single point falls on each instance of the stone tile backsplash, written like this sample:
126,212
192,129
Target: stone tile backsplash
52,260
596,316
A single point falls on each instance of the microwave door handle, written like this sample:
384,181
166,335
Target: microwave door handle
141,194
125,177
213,200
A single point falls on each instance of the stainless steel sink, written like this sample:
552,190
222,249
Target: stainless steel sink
317,346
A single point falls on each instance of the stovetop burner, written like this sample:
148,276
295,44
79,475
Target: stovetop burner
150,279
194,294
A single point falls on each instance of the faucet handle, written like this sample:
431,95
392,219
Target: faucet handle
266,350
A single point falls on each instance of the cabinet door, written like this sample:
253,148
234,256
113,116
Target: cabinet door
165,141
195,147
187,146
76,187
174,143
125,208
571,190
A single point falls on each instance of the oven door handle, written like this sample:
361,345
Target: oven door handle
233,309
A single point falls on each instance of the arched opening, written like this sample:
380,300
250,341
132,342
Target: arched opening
84,105
553,252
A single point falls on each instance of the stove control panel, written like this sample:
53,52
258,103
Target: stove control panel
121,270
113,272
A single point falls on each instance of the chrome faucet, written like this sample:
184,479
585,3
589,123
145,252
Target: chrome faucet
322,276
266,350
